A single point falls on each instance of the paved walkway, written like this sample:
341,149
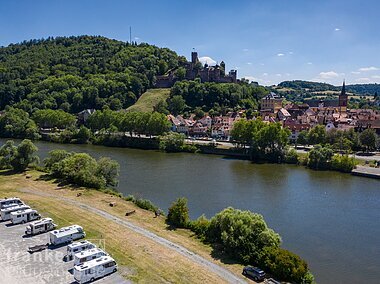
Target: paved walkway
367,172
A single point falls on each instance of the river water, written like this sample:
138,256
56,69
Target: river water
332,220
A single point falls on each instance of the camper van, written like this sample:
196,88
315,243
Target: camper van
94,269
76,247
9,202
41,226
87,255
6,212
24,216
66,235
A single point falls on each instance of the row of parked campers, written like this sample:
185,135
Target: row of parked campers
90,262
15,210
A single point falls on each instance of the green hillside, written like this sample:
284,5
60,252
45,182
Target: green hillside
149,100
75,73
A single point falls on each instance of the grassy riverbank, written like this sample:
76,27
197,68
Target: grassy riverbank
141,259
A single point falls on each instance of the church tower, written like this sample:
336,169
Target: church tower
343,98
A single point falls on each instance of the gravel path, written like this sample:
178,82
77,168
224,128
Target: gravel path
222,272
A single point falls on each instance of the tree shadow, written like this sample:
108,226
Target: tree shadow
60,182
9,172
219,254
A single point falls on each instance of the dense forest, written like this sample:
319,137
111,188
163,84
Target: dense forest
74,73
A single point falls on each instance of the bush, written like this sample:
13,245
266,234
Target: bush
343,163
242,233
18,157
284,264
178,214
172,142
200,226
146,204
319,158
291,156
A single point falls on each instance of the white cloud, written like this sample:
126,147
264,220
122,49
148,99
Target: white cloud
290,52
208,60
245,49
363,80
265,74
259,80
365,69
262,64
249,63
337,29
279,75
355,72
287,74
136,38
328,75
375,76
280,54
310,63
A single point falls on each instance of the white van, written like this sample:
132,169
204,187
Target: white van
9,202
41,226
66,235
24,216
87,255
76,247
94,269
6,212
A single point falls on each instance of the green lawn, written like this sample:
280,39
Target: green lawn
149,99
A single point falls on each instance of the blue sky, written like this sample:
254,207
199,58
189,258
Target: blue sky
267,41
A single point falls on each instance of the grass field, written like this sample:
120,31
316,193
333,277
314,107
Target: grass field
140,259
149,100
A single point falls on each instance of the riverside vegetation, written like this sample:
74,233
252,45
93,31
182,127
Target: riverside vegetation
242,235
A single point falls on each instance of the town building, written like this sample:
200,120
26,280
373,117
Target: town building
271,102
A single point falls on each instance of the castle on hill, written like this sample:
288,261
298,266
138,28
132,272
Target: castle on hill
195,69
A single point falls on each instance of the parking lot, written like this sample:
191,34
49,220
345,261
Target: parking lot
17,265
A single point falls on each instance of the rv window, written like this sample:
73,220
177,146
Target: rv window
18,216
109,264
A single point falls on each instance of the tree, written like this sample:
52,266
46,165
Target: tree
178,214
317,135
18,157
172,142
53,118
16,123
83,136
109,169
176,105
319,158
368,139
243,234
302,138
180,73
55,156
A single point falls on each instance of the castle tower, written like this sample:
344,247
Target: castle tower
194,57
343,98
223,67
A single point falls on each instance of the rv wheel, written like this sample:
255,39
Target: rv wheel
92,279
115,270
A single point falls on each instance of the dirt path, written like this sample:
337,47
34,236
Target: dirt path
222,272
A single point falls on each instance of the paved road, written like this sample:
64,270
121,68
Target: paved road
222,272
17,266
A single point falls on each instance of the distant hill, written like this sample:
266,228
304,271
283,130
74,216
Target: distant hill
149,100
75,73
306,86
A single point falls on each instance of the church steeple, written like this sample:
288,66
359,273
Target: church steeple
343,98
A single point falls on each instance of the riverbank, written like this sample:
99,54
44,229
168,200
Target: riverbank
141,258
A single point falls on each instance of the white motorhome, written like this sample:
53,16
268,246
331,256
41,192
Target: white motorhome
41,226
76,247
66,235
6,212
9,202
87,255
94,269
24,216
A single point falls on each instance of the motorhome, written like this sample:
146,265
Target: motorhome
6,212
76,247
87,255
40,226
66,235
94,269
24,216
9,202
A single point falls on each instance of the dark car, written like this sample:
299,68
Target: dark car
256,273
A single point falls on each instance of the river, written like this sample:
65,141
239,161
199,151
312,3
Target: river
332,220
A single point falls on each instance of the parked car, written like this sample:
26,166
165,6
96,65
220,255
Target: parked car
256,273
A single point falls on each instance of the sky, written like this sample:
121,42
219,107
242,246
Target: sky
268,41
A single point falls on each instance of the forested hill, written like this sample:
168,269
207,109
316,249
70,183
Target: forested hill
75,73
306,86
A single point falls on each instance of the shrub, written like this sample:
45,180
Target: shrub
284,264
146,204
178,214
200,226
320,158
343,163
172,142
18,157
291,156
